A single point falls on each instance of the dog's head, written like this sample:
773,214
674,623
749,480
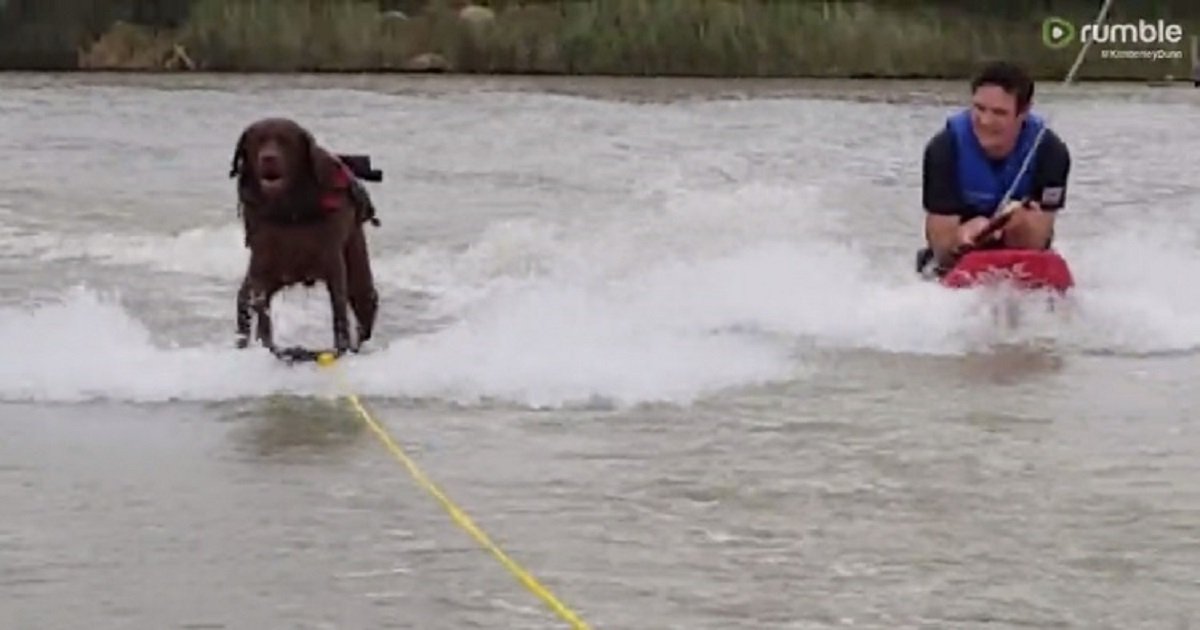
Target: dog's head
277,158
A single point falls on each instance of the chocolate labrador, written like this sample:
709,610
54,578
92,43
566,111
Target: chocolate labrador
303,211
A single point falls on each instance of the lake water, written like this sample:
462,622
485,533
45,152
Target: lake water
661,339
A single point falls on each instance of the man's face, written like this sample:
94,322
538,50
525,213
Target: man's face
995,119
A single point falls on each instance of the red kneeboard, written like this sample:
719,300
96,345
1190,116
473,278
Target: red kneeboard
1026,268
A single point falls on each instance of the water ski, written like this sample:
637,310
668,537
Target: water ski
1022,269
1027,269
300,354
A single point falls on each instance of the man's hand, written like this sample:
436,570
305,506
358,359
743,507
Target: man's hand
969,231
1018,213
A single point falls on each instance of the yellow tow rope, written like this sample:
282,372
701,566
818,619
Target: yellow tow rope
460,517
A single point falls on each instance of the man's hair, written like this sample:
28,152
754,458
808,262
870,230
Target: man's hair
1008,76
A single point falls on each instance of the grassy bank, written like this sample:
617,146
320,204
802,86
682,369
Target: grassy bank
757,38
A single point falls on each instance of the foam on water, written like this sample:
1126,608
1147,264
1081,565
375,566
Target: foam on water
1137,291
540,346
204,251
709,291
86,346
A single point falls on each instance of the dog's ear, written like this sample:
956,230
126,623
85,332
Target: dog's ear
239,155
247,186
323,166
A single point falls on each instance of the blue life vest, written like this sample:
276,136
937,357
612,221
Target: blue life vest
982,185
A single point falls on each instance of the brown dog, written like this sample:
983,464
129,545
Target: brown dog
303,211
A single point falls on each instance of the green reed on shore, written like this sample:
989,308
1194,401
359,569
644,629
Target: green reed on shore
885,38
637,37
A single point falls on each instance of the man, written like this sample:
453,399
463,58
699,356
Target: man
972,162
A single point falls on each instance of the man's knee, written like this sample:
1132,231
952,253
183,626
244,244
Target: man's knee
1014,240
1023,233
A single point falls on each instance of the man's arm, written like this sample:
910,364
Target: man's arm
1053,169
939,195
1032,227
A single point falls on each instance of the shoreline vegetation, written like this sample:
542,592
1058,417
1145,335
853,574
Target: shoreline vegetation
685,38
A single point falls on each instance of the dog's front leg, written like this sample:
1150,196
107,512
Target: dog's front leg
243,314
260,301
360,285
338,301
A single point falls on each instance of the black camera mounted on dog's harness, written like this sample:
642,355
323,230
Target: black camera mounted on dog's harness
360,165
